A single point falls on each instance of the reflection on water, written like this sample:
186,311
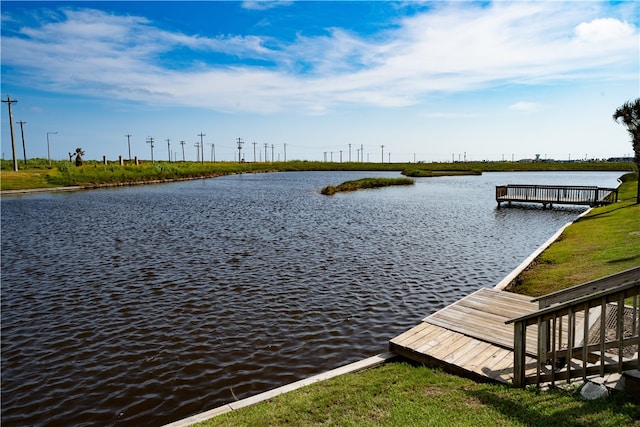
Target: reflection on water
143,305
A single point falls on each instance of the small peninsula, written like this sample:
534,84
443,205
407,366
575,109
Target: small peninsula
364,183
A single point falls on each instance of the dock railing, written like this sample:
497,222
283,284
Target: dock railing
559,194
587,330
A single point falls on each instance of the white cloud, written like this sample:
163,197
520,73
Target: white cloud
264,4
604,29
526,107
455,47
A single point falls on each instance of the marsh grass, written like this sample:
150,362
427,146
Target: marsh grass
38,174
365,183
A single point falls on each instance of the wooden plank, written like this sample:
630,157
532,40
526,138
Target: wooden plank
450,346
411,333
427,335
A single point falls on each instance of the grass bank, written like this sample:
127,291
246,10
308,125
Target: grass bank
605,241
39,174
365,183
404,394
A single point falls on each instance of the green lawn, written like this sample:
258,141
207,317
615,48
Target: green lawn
403,394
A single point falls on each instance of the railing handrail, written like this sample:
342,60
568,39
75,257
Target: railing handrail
532,318
588,287
548,321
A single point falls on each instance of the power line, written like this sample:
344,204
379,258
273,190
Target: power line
240,142
202,144
150,141
182,143
129,144
9,101
24,149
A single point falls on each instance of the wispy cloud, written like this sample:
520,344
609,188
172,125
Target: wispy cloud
455,47
525,107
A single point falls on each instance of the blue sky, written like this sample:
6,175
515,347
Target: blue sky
429,81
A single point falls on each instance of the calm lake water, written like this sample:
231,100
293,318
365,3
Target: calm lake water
142,305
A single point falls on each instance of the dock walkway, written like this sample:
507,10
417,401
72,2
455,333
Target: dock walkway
470,337
555,194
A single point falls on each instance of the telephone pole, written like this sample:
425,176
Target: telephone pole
272,156
240,142
254,152
49,147
9,101
213,152
150,141
169,148
24,149
349,153
382,147
202,144
129,144
265,152
285,152
197,145
182,143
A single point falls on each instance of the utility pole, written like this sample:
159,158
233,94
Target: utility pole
49,147
272,156
150,142
340,156
182,143
382,147
202,145
9,101
129,144
349,153
265,152
285,152
169,148
254,152
197,145
240,142
213,152
362,152
389,157
24,149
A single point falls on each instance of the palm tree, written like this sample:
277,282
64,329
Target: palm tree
79,153
629,112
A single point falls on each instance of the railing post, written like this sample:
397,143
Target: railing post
519,350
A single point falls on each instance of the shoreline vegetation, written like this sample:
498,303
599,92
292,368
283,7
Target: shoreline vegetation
37,174
365,183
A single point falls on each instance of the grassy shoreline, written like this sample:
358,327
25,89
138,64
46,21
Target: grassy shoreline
38,173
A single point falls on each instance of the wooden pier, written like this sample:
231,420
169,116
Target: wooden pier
560,336
556,194
470,337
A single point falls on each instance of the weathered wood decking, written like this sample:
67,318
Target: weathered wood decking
589,329
469,337
556,194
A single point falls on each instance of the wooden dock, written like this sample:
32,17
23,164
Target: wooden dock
556,194
470,337
591,329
